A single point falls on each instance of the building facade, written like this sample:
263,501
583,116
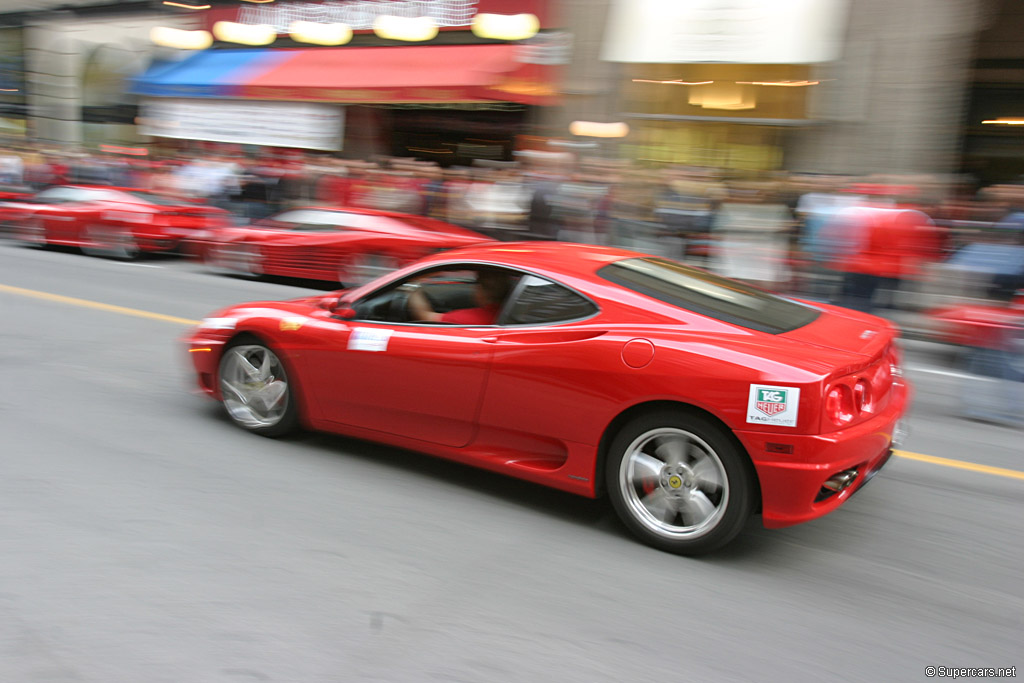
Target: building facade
820,86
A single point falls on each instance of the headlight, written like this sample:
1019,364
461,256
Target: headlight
218,323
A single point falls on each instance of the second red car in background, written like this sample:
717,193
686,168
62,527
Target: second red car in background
351,246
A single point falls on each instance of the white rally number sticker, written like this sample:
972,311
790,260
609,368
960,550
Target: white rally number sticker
769,405
369,339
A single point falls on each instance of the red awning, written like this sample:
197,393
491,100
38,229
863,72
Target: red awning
441,73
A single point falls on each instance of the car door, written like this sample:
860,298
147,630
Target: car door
547,372
419,380
56,213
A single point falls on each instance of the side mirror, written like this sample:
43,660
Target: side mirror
345,312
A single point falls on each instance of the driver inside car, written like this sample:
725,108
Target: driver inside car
490,289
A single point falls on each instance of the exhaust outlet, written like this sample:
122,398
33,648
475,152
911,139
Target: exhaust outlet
840,481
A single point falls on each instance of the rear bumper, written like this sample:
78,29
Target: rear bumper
793,484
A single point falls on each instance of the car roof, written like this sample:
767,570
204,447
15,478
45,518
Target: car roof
580,260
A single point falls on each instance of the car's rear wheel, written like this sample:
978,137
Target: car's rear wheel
255,389
358,269
679,482
110,241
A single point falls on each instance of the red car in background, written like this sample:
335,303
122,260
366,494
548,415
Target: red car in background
977,302
982,325
347,245
13,192
691,400
110,221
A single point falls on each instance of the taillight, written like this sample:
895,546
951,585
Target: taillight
862,396
839,405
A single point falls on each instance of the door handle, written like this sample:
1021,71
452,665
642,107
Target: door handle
490,340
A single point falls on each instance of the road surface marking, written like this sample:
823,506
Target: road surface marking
85,303
935,371
960,464
930,459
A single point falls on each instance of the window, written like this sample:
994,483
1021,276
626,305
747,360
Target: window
63,195
454,294
711,295
309,220
541,301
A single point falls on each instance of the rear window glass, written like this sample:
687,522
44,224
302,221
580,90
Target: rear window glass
542,301
711,295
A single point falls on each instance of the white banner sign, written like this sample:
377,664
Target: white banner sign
726,31
271,124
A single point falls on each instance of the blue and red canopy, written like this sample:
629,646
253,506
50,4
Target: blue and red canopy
443,73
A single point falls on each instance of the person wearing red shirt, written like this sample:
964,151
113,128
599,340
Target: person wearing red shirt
491,289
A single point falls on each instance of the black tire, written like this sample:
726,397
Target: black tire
108,241
255,389
679,482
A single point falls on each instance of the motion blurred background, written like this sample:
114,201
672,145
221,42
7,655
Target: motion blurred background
865,152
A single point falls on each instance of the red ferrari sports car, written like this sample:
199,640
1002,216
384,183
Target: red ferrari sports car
346,245
110,221
691,400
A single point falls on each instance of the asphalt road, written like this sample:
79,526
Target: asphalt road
145,539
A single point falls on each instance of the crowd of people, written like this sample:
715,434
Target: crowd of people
865,242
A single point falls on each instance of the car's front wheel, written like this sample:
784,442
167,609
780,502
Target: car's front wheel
110,241
679,482
256,391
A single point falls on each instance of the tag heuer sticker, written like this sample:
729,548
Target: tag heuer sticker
773,405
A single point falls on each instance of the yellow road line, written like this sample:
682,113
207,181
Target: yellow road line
97,305
960,464
930,459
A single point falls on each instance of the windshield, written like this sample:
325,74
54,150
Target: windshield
711,295
310,220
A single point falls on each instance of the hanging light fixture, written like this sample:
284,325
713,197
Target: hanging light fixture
245,34
505,26
179,39
315,33
409,29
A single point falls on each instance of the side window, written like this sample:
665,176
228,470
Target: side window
542,301
451,294
60,195
309,220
